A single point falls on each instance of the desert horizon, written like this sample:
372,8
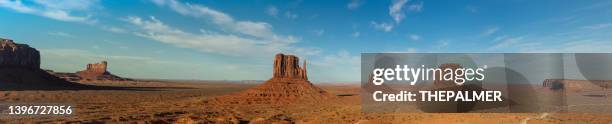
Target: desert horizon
305,62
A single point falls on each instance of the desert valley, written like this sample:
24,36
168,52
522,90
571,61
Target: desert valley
288,97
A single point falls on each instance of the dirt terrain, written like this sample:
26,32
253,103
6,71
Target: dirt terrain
184,102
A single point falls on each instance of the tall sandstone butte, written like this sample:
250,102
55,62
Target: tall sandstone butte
287,66
289,84
20,69
13,54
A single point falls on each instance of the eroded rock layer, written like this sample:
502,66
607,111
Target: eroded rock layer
287,66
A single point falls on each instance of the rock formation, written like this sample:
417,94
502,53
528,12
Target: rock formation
13,54
287,66
576,85
289,84
20,69
98,71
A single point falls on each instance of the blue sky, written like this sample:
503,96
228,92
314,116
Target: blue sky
237,39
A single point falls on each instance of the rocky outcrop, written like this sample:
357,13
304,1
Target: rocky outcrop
289,84
20,70
287,66
98,72
576,85
13,54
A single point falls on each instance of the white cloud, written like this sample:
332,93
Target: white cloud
490,30
356,34
382,26
261,30
208,41
414,37
68,4
272,11
62,10
354,4
505,42
416,7
395,10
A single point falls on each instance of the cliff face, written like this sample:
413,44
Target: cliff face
287,66
20,69
18,55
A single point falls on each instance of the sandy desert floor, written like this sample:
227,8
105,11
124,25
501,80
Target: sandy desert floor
184,102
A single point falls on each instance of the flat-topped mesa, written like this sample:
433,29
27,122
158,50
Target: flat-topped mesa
287,67
97,67
93,71
18,55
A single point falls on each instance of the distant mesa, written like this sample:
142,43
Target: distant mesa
93,72
20,69
98,71
289,84
576,85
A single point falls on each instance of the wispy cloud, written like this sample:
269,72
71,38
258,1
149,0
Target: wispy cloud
205,41
382,26
62,10
395,10
505,42
416,7
490,30
354,4
414,37
260,30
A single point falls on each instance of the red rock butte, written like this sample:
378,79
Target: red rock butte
20,69
289,84
98,71
21,55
